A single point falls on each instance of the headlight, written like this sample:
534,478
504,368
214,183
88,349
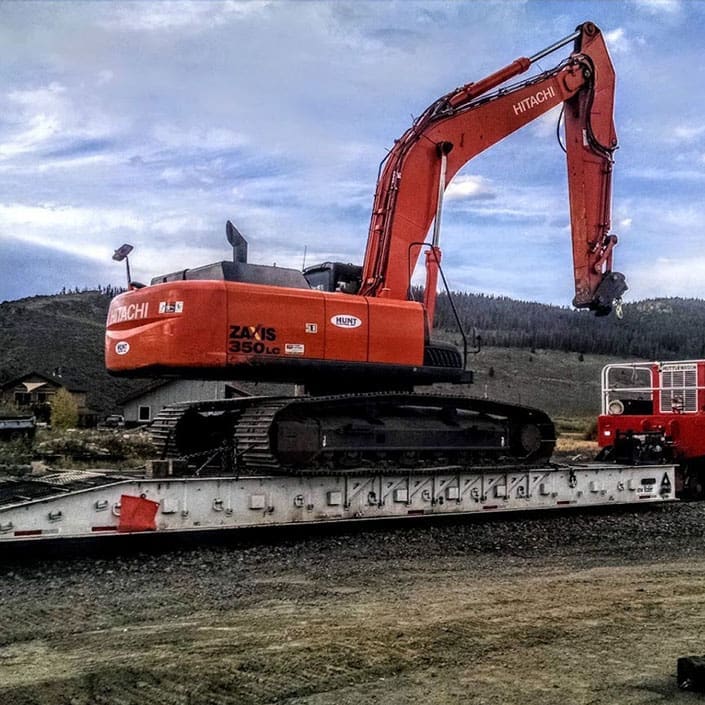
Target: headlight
615,408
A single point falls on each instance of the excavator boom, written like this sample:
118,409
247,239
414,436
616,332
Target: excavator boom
469,120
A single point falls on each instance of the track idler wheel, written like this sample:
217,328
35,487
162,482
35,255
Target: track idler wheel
529,440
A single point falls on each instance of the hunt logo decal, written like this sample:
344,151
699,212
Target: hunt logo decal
345,320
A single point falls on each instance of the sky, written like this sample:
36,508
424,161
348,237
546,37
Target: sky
154,123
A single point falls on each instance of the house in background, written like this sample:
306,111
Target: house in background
142,406
33,392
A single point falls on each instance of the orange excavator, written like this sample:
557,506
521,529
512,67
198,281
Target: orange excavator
351,335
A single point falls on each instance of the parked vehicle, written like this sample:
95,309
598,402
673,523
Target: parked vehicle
14,427
113,421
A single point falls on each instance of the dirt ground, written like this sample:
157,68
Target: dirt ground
561,609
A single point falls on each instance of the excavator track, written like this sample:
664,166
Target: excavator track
252,436
342,434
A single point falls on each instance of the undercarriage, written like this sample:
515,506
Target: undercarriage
343,433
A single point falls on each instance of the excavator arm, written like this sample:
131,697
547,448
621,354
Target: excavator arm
470,119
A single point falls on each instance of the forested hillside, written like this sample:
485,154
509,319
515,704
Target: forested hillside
659,328
531,353
63,334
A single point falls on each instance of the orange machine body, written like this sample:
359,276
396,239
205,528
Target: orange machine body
207,327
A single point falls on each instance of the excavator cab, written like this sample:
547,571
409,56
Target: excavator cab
334,276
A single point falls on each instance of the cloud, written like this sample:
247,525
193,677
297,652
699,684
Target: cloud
65,229
105,77
659,7
617,41
513,203
684,219
198,137
50,123
173,175
45,98
182,15
665,173
469,186
67,217
666,276
50,271
173,116
507,273
689,132
545,126
40,129
173,224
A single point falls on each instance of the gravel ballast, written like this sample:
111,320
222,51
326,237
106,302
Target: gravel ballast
422,610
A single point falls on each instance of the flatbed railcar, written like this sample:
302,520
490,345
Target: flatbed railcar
78,505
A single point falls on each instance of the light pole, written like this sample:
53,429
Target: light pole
122,253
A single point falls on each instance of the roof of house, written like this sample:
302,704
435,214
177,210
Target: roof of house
146,389
242,389
58,380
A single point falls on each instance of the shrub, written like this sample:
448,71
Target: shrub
64,410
